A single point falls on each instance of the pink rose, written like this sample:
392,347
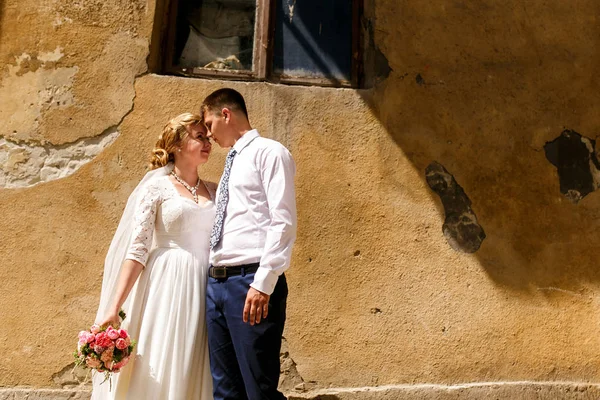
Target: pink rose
103,340
92,362
128,341
99,349
123,333
112,333
85,337
95,328
90,337
121,344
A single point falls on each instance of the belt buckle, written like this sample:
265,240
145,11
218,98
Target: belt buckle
219,272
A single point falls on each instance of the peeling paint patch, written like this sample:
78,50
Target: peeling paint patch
289,378
461,229
24,165
59,20
51,56
575,159
31,88
72,376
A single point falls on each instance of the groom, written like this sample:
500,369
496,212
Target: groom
251,246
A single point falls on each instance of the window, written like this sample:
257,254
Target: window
289,41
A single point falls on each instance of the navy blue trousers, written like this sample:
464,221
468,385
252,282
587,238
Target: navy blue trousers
244,359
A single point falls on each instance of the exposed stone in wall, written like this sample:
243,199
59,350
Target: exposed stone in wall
32,87
290,379
43,394
575,159
23,164
71,377
469,391
461,229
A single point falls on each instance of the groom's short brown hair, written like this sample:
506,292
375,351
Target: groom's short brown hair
224,98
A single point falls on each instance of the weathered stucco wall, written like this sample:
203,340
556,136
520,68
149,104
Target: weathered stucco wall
378,295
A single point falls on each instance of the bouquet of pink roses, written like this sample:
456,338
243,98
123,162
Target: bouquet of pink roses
104,349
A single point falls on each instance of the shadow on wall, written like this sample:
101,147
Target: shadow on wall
490,105
484,109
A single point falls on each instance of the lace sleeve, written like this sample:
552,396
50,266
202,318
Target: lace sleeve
143,225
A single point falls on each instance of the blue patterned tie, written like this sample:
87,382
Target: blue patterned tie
217,230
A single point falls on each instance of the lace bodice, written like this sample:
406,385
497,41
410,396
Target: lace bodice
164,218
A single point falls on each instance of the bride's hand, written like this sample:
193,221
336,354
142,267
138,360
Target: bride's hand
111,319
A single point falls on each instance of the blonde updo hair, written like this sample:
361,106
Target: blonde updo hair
171,138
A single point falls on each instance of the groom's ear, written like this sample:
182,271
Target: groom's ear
226,113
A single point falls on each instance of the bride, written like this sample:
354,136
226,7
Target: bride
163,239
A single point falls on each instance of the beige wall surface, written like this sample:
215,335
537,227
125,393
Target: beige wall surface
378,296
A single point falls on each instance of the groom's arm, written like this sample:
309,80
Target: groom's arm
277,171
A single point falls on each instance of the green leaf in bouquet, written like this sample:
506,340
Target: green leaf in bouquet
122,314
79,360
131,346
118,356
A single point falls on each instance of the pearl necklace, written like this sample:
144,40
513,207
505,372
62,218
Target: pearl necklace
192,190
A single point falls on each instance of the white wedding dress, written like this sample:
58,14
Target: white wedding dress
166,313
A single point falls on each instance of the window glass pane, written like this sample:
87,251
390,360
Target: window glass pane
216,34
313,38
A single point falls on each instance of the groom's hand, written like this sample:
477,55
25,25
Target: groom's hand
256,307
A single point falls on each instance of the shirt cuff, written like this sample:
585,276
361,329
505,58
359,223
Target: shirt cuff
265,280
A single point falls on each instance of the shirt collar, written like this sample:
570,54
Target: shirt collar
245,140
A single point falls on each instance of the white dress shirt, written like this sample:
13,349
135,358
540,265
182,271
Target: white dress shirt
260,218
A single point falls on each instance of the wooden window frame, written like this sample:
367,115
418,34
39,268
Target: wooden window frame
262,57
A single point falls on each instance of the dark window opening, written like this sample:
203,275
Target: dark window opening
289,41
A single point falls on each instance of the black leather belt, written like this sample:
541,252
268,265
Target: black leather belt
227,271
